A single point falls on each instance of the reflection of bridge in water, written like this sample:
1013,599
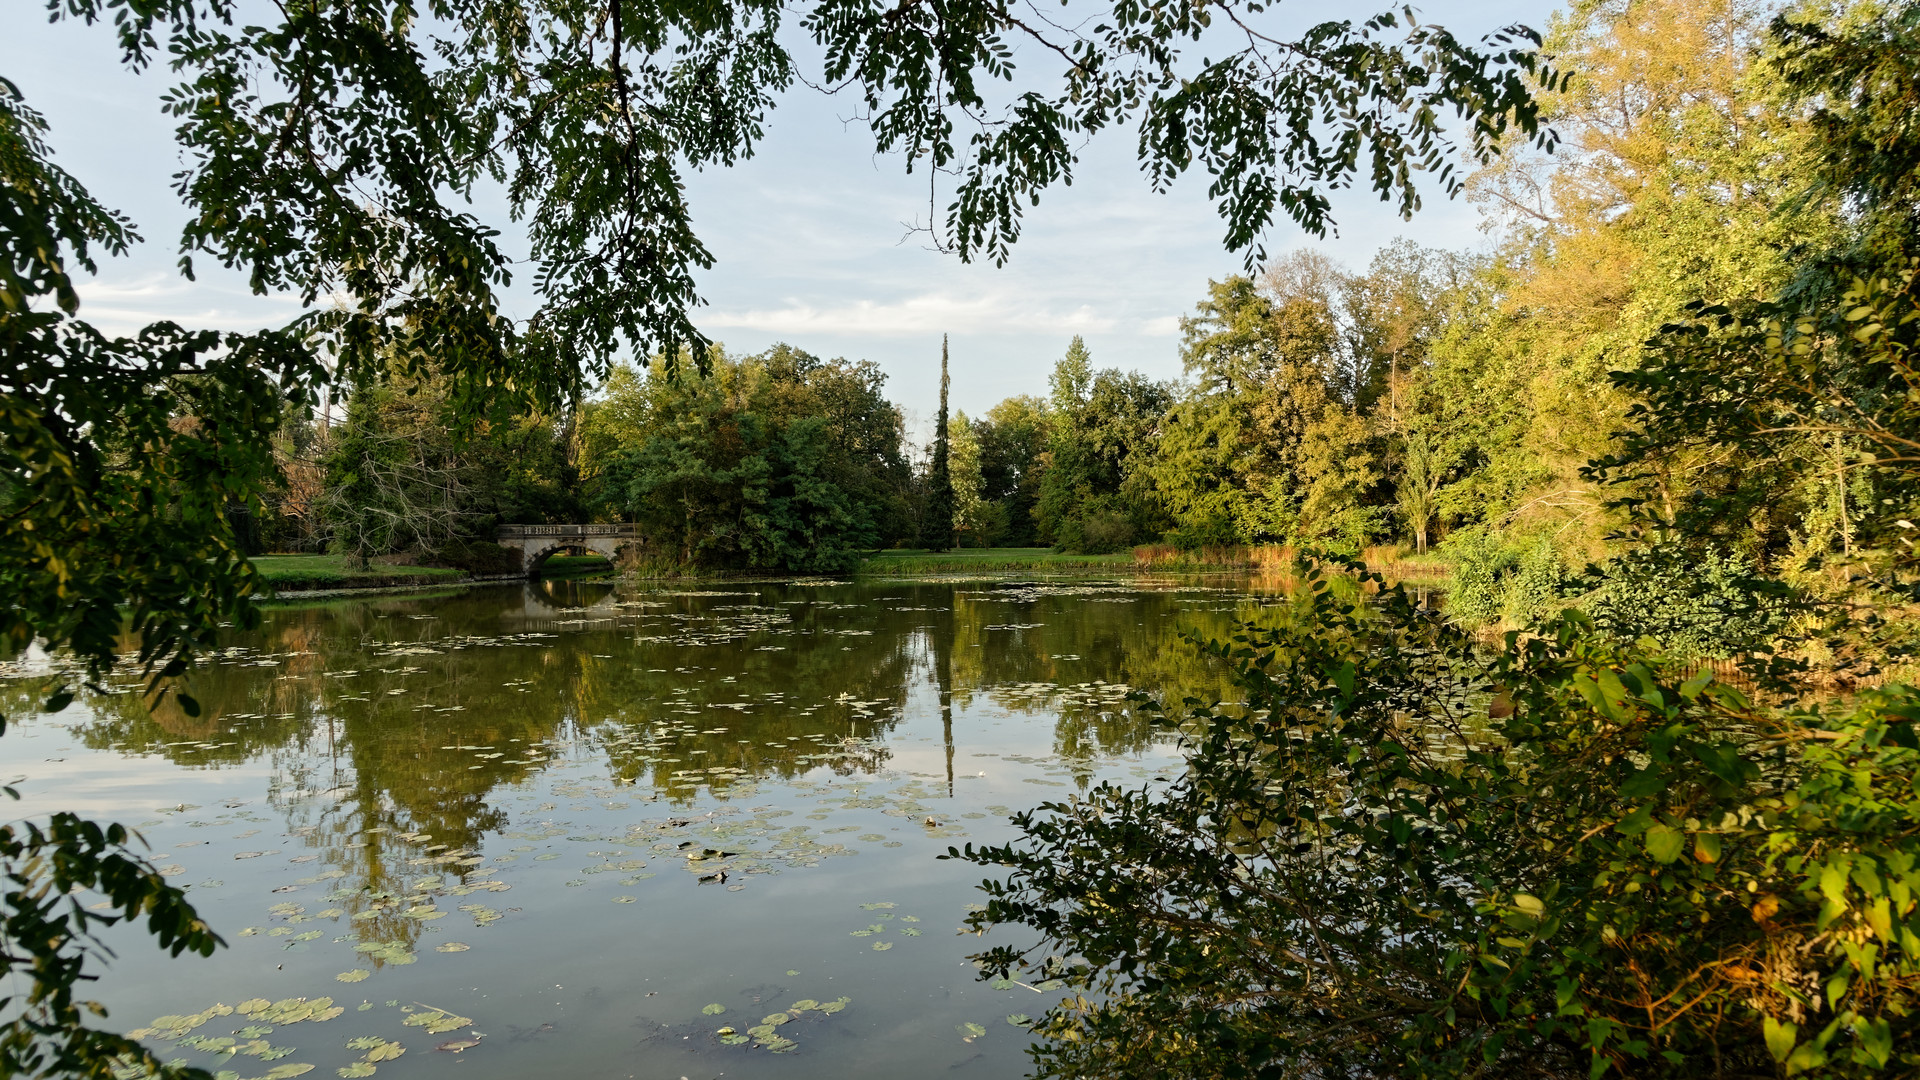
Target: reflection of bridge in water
537,543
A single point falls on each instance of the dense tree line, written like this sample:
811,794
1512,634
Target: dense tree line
1475,402
1676,361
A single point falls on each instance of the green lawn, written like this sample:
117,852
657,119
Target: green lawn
907,562
558,565
285,572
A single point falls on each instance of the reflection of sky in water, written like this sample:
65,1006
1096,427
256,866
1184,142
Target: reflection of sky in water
574,819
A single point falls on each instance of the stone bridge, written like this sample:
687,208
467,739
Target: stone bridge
536,543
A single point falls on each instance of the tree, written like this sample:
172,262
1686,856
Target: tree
780,461
1094,494
1421,473
1786,396
978,520
1392,314
1260,450
936,530
394,478
1013,448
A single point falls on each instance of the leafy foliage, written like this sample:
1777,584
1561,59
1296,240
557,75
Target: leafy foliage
50,872
1094,497
778,461
1697,604
119,457
406,472
1401,856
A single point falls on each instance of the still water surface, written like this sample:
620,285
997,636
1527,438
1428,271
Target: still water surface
574,830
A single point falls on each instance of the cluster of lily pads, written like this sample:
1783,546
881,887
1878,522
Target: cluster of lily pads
882,912
263,1018
766,1035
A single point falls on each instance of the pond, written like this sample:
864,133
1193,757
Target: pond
614,832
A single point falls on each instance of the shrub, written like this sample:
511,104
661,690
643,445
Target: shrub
1368,870
1536,588
1103,532
1214,532
1698,604
1482,561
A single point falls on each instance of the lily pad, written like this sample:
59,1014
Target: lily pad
437,1022
714,1010
452,946
353,976
882,946
358,1068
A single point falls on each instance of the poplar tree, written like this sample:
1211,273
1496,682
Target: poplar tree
937,530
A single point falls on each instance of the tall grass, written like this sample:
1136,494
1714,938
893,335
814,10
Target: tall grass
914,564
1392,560
1266,558
1397,562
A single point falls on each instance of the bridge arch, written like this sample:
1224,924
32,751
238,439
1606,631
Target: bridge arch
538,543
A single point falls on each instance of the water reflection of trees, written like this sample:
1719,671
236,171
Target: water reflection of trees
398,717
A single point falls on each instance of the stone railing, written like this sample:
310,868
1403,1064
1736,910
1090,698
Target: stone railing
528,532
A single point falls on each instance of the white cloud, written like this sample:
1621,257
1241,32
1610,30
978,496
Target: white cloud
122,305
927,313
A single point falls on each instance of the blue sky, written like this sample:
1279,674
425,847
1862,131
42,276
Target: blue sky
810,235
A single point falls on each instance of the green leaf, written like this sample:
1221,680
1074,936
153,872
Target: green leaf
1706,847
1635,823
1664,843
1342,677
1780,1036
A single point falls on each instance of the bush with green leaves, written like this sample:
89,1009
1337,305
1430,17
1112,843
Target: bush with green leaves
1477,585
1404,856
1697,603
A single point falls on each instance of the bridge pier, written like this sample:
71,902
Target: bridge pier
536,543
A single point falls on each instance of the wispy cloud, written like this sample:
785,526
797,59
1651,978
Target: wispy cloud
122,305
983,313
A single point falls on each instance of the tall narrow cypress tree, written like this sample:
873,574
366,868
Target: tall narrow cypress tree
936,533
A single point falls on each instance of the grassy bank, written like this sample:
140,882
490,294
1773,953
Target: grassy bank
1393,560
571,565
913,563
289,573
